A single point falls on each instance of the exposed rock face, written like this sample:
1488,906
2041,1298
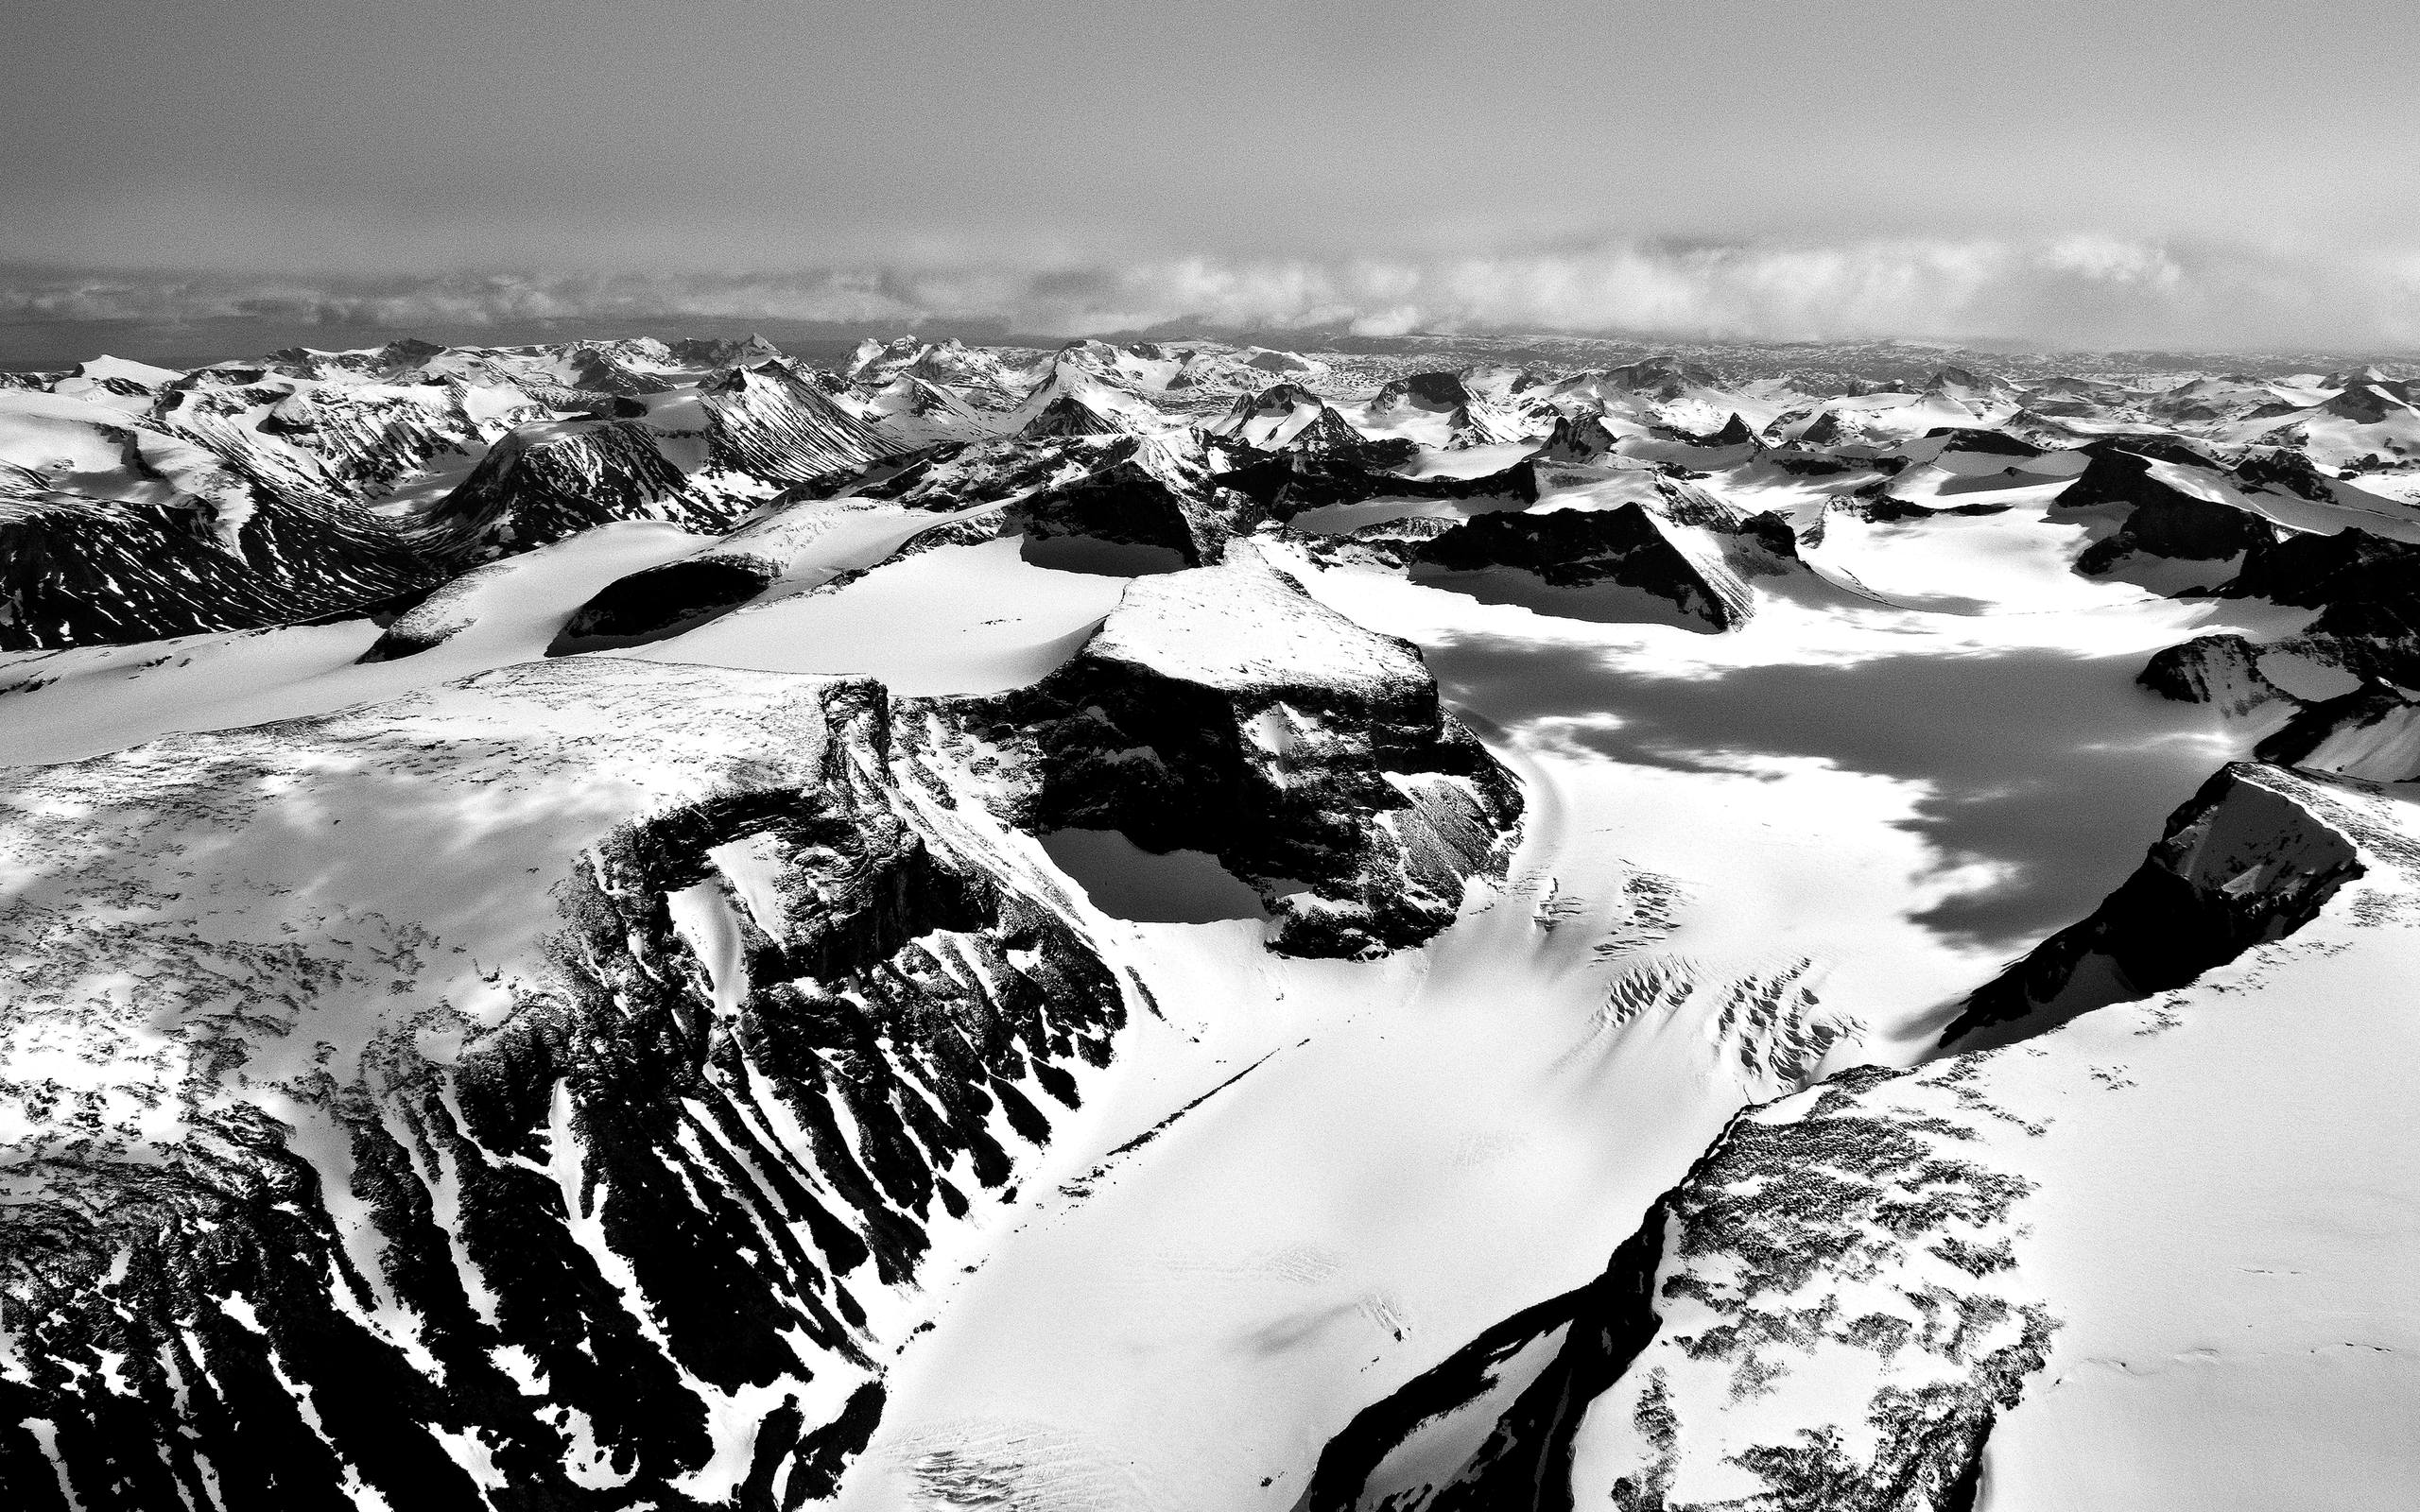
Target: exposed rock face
2159,520
82,571
657,602
1825,1313
1663,377
1226,710
1158,494
1700,569
704,461
1438,392
713,352
1468,422
2248,859
1287,486
1150,495
1124,503
2371,734
543,483
1986,442
112,529
1069,415
598,373
1583,439
2365,637
2287,470
601,1137
1287,418
443,613
2367,590
1735,432
2221,670
919,413
767,423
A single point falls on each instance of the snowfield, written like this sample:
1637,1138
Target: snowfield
1195,927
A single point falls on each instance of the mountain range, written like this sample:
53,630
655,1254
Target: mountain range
1181,924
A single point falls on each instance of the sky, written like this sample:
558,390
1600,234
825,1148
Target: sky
2225,173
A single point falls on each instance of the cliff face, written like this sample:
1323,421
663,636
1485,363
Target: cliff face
1224,710
602,1132
2248,859
2366,589
2371,734
1698,561
2155,517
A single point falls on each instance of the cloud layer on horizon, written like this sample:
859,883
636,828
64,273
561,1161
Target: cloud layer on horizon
2084,292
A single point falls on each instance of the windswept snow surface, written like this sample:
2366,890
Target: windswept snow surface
821,1066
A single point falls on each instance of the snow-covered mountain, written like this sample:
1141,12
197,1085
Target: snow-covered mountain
1176,925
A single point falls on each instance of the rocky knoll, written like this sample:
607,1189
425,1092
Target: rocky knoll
1224,710
1162,496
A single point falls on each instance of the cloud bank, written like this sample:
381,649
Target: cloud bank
2084,292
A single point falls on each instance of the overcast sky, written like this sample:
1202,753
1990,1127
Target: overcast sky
2203,173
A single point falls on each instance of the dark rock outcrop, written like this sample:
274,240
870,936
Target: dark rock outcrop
1977,441
80,571
2366,589
1287,418
1287,486
2220,670
1630,547
1069,415
2371,734
2158,520
1152,496
1226,710
2249,858
1576,439
657,602
1440,392
546,482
